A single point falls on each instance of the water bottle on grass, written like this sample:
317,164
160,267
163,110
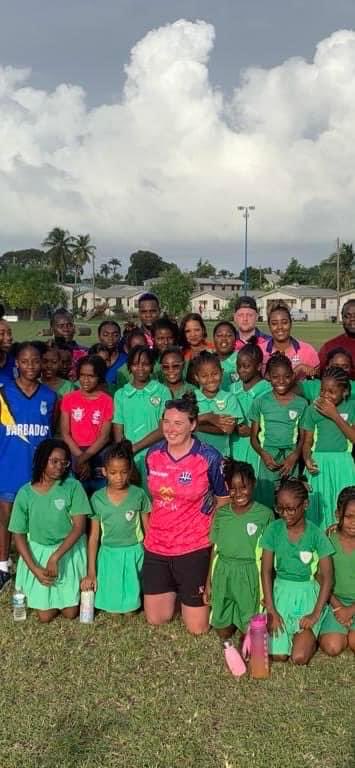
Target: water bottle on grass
19,605
87,606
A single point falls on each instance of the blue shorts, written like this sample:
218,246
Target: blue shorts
8,497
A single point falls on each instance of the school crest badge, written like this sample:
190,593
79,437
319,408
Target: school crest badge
130,515
251,529
59,504
43,408
221,404
292,415
306,557
155,401
344,416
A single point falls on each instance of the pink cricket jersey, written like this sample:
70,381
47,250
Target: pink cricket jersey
86,416
182,494
298,352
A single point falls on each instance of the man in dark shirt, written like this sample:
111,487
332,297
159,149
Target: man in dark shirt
345,340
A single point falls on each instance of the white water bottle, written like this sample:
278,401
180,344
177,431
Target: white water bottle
19,605
87,606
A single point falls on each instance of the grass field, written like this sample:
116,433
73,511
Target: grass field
121,694
314,333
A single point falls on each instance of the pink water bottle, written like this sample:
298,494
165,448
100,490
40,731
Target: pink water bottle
259,647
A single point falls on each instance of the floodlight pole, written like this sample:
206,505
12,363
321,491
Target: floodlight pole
246,213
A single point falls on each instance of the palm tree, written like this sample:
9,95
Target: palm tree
83,252
59,243
105,270
328,271
115,265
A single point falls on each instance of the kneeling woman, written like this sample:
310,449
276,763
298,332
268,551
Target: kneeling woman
186,483
48,523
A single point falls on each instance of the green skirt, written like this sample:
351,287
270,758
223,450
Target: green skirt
293,600
330,623
235,593
336,471
65,591
242,450
268,481
118,578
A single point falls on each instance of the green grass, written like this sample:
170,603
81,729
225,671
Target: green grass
314,333
119,693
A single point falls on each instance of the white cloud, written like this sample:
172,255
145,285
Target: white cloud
172,159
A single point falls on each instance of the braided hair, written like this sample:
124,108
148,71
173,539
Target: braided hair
340,376
345,497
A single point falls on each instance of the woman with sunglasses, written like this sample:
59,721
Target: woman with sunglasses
48,523
186,484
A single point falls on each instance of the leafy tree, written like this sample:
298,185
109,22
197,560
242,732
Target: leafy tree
204,269
224,273
255,278
115,265
36,291
174,291
228,312
328,269
29,257
60,244
105,270
82,253
295,273
145,265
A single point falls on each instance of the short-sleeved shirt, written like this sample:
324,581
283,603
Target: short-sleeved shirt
121,524
236,536
47,517
298,352
139,410
229,368
182,492
279,422
112,370
310,389
344,570
246,397
185,387
296,560
260,336
25,421
224,404
326,434
123,376
86,415
344,342
8,371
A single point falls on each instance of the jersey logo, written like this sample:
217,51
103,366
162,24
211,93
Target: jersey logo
77,414
130,515
306,557
293,415
96,416
344,416
155,400
221,404
185,478
43,408
167,494
251,529
59,504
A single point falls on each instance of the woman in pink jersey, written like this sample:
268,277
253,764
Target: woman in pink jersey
185,481
304,358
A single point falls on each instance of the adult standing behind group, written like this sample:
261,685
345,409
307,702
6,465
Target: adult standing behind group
245,318
109,333
7,360
346,340
303,357
63,329
185,482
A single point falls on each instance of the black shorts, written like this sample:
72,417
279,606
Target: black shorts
184,574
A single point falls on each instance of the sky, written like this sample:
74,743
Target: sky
147,123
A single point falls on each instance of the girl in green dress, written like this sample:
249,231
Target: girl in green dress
219,411
50,372
224,339
296,551
338,357
119,519
247,388
48,523
275,435
173,366
338,628
329,433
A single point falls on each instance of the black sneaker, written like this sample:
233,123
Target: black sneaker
5,580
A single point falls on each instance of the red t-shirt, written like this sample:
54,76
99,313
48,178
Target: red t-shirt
86,415
344,341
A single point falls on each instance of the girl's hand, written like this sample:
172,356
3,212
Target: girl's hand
326,408
308,621
52,567
275,622
43,576
288,464
227,424
305,370
80,460
244,430
269,462
206,596
83,471
311,466
88,583
344,614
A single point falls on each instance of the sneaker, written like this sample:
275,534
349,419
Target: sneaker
234,660
5,580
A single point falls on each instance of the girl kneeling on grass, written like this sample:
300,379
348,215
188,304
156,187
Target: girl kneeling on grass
120,515
297,550
338,628
235,533
48,523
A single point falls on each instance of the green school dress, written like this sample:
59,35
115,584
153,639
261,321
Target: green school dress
223,403
295,590
123,377
236,566
278,435
139,412
229,368
331,451
46,519
344,586
241,447
310,389
120,556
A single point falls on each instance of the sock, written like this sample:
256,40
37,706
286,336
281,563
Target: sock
4,566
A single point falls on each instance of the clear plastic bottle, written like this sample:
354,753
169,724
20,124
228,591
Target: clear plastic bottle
19,605
87,607
259,652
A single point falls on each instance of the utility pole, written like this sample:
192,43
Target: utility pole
338,278
246,214
93,281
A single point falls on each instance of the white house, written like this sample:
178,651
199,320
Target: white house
344,297
318,303
217,284
209,303
117,298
